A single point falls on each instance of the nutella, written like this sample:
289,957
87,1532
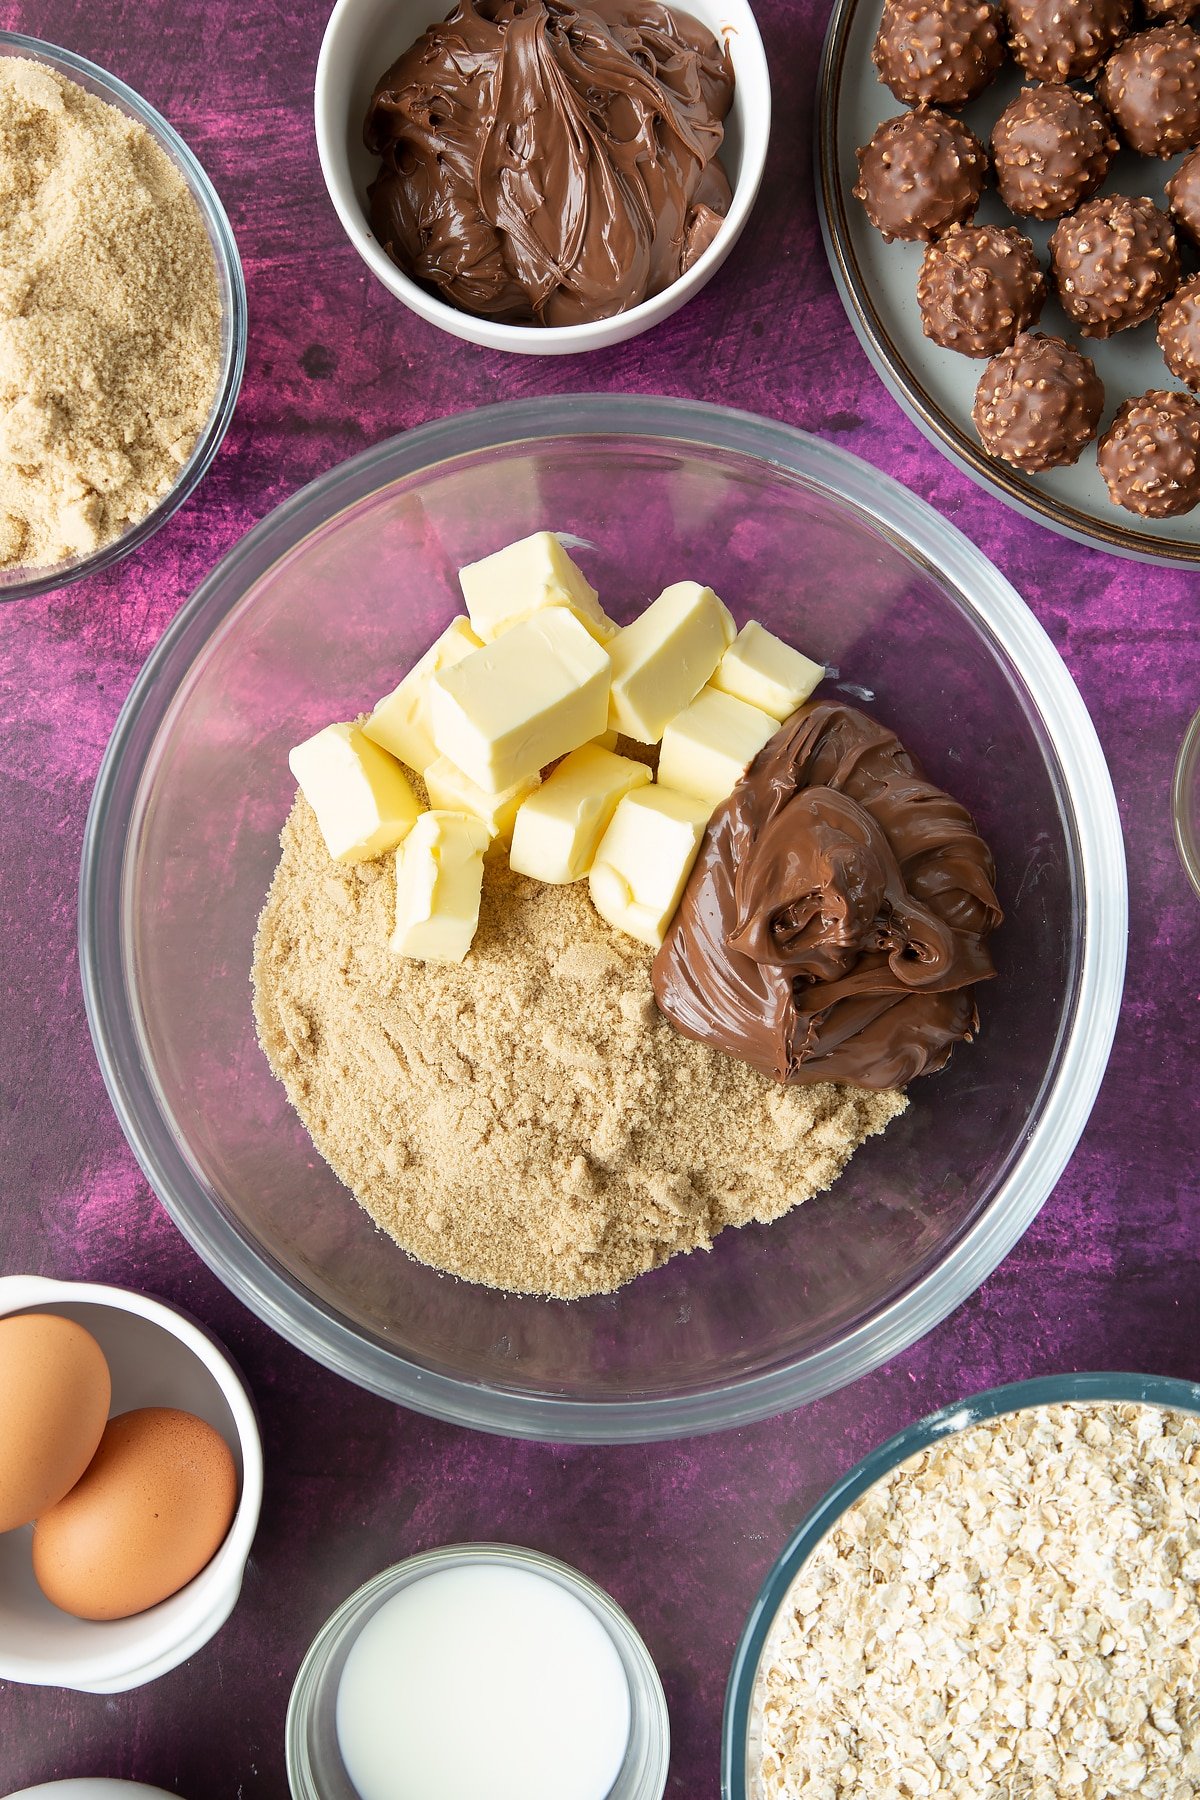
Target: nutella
835,923
548,163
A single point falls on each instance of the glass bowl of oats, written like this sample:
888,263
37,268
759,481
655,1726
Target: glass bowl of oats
318,612
122,319
1002,1599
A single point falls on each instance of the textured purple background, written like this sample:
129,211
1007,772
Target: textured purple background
681,1534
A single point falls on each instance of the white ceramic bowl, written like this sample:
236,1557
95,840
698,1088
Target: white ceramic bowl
158,1357
364,37
91,1787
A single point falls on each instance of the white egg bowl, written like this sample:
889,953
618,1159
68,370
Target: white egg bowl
364,37
157,1357
91,1787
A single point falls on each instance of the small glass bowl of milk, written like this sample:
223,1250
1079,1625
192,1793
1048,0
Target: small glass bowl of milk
478,1672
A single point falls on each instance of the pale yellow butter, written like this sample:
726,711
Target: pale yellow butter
450,790
359,793
644,860
507,710
400,722
662,660
707,748
761,669
439,878
558,828
513,583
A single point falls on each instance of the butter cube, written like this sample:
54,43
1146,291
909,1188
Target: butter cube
400,722
662,660
452,791
707,748
359,793
507,710
761,669
644,860
524,577
558,828
439,878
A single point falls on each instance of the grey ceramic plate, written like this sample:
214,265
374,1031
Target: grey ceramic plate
936,387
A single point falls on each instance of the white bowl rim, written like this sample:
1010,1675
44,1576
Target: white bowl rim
212,1594
1082,1056
554,340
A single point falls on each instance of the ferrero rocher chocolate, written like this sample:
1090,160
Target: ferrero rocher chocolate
1150,454
1065,40
942,52
1051,148
1114,262
978,287
921,173
1038,403
1151,86
1179,333
1183,196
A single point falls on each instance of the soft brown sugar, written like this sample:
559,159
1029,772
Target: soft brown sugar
527,1118
110,319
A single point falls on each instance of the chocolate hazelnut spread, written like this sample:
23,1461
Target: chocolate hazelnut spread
835,921
551,163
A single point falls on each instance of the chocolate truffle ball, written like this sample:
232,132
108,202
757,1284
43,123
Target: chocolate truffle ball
1114,262
944,52
1151,86
1183,196
1179,333
1038,403
1150,454
1179,10
920,173
1050,147
1065,40
978,287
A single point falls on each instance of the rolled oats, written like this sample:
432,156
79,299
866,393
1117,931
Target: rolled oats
1011,1614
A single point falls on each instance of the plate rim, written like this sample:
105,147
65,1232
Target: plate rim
900,381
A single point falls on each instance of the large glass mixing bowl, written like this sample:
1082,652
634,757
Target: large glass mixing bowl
310,618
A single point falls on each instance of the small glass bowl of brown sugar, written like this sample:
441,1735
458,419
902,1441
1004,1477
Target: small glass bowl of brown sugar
121,399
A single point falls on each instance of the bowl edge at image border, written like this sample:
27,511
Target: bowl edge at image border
1166,1391
1081,1052
532,340
226,1568
648,1701
228,263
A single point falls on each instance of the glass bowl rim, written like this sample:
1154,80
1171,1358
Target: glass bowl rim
1084,1041
653,1713
1169,1392
1185,801
229,272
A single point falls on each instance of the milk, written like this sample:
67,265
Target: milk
483,1682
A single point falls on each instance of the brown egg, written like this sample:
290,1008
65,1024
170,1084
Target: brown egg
54,1394
153,1508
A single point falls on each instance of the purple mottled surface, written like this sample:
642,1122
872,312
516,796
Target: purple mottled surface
681,1534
